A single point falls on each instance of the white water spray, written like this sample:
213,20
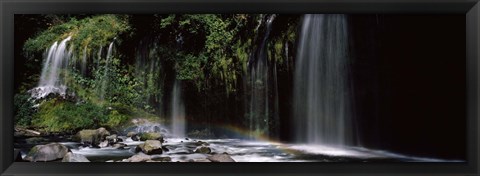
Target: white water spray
55,63
178,112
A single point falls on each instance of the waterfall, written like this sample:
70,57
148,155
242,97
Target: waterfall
262,85
84,61
322,108
178,112
50,78
105,79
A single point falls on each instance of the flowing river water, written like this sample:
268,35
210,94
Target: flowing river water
182,150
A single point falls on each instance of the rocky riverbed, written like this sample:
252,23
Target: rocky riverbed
100,145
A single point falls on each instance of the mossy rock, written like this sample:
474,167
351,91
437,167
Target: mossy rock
151,136
203,149
92,136
131,134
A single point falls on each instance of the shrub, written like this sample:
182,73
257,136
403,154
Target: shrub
115,119
23,109
57,115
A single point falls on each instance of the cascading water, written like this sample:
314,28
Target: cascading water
56,61
321,83
105,72
261,106
178,112
84,61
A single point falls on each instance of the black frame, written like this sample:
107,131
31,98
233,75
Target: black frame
10,7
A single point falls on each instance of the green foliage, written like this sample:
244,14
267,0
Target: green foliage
122,86
115,119
189,67
213,58
23,108
58,115
222,57
90,33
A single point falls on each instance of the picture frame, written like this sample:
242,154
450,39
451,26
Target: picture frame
471,9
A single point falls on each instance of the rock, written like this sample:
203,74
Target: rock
202,143
131,133
165,149
135,138
103,132
151,136
122,138
112,139
186,139
156,129
140,157
151,147
201,160
103,144
220,158
49,152
93,137
119,145
203,149
73,157
161,158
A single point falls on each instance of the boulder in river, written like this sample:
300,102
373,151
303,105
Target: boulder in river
93,137
131,133
112,139
203,149
150,147
135,138
103,132
48,152
122,138
151,136
202,143
73,157
220,158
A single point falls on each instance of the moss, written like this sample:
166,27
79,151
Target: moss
58,115
150,136
34,150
